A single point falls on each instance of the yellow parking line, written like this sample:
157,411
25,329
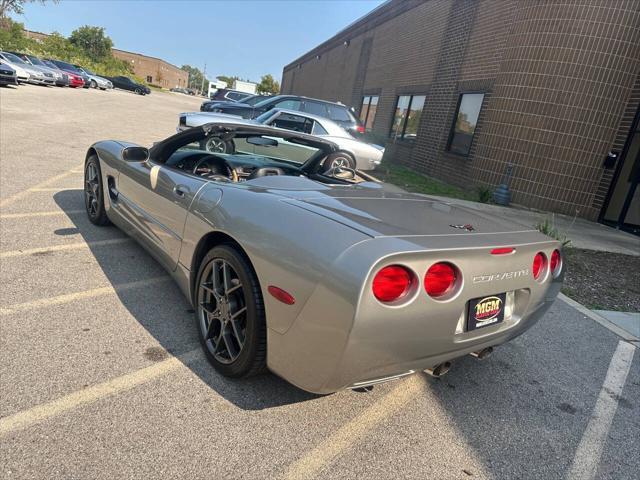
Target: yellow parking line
72,297
353,431
60,248
24,193
94,393
53,213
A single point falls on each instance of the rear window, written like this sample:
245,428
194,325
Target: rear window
315,108
339,114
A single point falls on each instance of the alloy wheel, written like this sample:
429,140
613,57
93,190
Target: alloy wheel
340,162
215,145
222,311
91,186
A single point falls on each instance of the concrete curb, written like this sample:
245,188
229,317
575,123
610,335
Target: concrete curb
622,333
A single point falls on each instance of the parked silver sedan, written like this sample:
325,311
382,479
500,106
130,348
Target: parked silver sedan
352,153
96,81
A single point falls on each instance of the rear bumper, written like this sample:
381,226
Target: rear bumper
340,341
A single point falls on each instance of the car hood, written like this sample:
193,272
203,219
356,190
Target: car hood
377,211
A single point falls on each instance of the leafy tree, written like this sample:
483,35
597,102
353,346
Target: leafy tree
17,6
92,41
268,85
195,77
228,80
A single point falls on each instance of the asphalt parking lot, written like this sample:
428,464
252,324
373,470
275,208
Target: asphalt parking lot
101,375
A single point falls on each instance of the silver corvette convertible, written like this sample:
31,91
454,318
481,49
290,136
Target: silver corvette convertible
319,274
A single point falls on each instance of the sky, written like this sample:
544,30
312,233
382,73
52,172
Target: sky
247,38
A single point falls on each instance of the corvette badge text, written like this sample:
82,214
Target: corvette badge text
490,277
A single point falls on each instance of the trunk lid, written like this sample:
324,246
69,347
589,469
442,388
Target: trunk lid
407,215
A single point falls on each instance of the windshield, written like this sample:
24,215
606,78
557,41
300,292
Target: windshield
36,60
265,116
86,70
266,101
50,64
12,58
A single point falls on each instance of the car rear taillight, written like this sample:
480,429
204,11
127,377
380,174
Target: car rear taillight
555,264
360,129
539,263
392,283
440,279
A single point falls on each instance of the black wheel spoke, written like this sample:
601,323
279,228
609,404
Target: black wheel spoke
222,310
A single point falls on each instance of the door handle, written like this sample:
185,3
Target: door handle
180,191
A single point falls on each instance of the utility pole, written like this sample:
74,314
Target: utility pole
204,75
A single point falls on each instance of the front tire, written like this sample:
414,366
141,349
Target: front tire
94,192
230,313
138,91
340,159
93,84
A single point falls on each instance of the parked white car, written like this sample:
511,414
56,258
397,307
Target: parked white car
22,74
96,81
353,153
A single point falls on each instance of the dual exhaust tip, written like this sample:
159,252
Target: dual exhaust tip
441,369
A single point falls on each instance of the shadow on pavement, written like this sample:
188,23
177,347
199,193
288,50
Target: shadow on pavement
173,325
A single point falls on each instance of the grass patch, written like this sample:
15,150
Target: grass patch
411,181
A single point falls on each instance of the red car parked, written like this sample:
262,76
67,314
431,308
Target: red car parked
75,80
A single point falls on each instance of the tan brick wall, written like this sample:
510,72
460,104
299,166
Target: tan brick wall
557,76
154,70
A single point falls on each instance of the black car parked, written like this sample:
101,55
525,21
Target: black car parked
125,83
250,100
339,113
226,94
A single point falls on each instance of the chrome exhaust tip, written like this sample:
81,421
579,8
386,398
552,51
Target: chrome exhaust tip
439,370
482,354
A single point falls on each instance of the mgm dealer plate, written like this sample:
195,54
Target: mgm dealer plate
485,311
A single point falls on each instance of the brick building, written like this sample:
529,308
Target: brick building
460,89
154,70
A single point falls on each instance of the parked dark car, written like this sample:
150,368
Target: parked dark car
339,113
226,94
125,83
7,75
251,100
67,67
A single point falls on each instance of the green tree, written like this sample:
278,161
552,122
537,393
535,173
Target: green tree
92,41
268,85
228,80
195,77
17,6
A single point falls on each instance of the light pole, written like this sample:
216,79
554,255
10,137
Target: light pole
204,75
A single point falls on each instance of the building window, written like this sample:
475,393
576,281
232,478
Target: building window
407,117
149,79
368,111
466,119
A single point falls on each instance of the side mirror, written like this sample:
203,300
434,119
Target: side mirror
135,154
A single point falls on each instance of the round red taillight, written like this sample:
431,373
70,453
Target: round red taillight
391,283
440,279
555,262
538,265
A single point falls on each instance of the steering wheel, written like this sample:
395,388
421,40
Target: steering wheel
215,168
343,173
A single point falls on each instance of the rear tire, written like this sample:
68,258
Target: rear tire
230,315
217,145
94,192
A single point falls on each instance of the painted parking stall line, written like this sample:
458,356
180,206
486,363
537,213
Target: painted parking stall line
62,248
587,457
72,297
94,393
